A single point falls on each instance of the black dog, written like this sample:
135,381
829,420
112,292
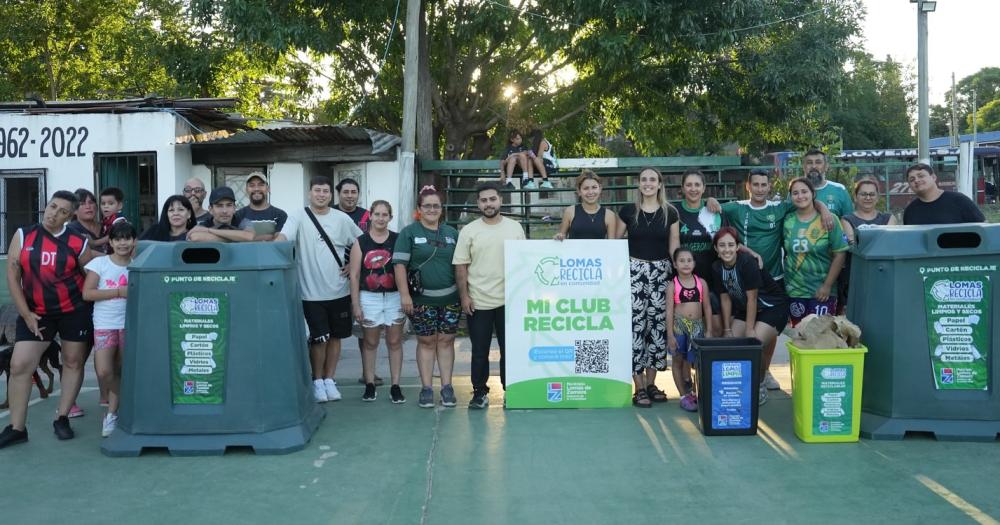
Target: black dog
48,363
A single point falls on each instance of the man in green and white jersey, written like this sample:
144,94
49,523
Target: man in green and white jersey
832,194
759,220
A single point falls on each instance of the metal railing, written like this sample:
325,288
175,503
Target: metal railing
539,210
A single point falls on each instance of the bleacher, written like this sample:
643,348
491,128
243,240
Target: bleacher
540,210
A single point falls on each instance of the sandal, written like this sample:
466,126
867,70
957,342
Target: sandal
641,399
657,395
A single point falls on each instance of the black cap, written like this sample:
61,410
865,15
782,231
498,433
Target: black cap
221,193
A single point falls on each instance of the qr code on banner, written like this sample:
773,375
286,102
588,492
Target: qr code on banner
592,356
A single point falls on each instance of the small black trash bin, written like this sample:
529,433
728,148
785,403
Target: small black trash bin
728,380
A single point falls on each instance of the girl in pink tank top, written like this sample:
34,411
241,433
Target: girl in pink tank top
689,315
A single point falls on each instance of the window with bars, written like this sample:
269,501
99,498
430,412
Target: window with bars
22,200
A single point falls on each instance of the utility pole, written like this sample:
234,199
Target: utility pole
407,158
953,128
975,124
923,117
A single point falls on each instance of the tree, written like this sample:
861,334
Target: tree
987,118
940,120
101,49
686,75
985,83
873,108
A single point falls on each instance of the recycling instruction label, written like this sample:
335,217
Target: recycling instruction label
199,337
959,311
833,389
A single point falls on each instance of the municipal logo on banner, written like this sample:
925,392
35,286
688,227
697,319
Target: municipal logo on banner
947,376
563,271
189,388
555,392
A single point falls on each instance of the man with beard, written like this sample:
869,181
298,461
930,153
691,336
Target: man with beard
267,220
194,190
934,205
479,273
833,194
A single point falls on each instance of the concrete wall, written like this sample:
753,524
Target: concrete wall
378,181
288,185
70,164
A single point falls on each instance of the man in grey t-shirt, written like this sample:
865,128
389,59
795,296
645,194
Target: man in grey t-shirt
326,295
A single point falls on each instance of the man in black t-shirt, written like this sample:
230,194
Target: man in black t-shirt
220,226
348,193
934,205
267,220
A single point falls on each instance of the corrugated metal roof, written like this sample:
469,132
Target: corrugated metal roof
309,134
200,112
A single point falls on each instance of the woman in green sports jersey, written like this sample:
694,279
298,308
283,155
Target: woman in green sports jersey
813,256
697,226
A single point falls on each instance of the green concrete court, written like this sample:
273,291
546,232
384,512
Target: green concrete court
384,463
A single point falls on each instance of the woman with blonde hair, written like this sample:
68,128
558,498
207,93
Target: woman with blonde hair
651,225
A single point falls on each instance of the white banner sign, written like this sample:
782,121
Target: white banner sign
568,324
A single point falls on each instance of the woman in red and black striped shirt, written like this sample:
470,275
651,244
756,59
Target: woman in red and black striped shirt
45,277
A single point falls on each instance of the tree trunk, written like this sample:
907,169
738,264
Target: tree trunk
426,140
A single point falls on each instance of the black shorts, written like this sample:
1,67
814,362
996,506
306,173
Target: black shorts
328,319
76,326
776,316
716,303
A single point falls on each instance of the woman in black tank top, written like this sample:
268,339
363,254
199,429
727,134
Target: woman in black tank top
588,220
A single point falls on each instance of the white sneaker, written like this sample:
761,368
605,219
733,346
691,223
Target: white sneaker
770,382
319,390
528,184
546,185
762,394
109,425
332,394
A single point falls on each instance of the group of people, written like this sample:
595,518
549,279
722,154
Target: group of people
745,268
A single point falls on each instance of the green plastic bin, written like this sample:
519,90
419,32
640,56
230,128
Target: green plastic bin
215,352
925,297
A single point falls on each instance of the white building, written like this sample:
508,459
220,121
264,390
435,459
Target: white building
150,147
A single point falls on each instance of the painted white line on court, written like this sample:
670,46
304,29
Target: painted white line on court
969,509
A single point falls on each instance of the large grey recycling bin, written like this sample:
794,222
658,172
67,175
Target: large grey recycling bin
215,353
925,297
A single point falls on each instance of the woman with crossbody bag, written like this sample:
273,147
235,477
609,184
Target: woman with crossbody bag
425,278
